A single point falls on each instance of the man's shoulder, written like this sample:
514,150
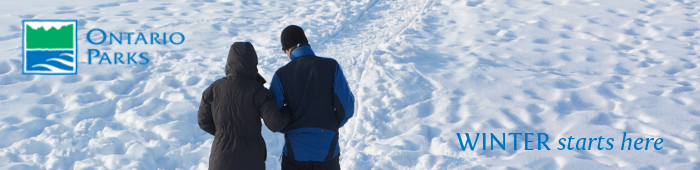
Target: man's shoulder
325,63
314,59
285,67
326,59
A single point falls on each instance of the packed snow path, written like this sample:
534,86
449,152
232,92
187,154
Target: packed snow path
421,71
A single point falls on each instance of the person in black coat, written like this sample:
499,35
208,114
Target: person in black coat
231,109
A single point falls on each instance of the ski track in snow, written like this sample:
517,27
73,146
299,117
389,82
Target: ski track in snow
421,71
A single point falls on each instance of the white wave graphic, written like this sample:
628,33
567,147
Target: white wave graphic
53,67
64,62
67,54
50,67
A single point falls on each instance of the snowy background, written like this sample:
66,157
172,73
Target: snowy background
421,71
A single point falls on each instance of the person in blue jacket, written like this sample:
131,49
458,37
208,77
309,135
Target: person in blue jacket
317,93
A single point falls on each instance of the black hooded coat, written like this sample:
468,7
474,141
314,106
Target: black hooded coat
231,109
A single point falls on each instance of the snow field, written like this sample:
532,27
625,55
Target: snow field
420,70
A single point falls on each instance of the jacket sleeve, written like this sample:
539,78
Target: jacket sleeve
270,112
204,117
277,91
343,100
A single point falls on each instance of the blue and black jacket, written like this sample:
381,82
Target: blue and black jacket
317,93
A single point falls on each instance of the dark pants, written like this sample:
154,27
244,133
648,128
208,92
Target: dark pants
289,164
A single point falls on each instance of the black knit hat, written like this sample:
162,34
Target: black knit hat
291,36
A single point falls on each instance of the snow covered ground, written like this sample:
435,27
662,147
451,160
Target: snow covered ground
421,71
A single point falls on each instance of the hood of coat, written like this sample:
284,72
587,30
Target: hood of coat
242,61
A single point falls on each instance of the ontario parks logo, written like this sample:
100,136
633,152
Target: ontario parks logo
50,47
